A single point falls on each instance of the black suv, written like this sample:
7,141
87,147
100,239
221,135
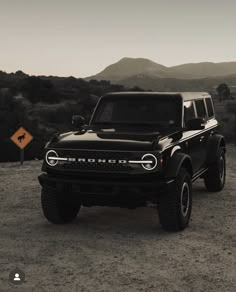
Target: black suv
139,149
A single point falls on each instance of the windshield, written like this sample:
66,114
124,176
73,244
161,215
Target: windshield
162,110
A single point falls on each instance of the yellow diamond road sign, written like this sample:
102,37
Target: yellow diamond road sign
21,138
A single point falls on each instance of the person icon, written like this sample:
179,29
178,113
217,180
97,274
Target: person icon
17,277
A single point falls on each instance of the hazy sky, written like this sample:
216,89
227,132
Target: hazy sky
80,38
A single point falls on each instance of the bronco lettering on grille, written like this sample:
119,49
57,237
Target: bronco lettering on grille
93,160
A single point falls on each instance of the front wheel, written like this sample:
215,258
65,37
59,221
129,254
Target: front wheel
175,207
215,177
58,208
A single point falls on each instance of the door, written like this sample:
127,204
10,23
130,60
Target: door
194,141
202,135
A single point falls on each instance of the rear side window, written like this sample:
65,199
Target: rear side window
189,112
200,107
209,107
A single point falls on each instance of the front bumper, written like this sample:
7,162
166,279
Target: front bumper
108,191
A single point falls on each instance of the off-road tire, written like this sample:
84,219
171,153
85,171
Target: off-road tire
215,177
57,207
172,213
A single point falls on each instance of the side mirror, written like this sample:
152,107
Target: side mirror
196,124
78,121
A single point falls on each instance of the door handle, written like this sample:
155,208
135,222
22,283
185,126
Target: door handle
201,138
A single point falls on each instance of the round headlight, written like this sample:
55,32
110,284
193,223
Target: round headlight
149,161
49,158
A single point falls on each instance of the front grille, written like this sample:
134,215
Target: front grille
95,166
95,154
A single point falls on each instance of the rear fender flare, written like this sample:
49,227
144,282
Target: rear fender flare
213,145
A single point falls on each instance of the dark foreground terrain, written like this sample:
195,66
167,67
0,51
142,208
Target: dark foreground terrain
108,249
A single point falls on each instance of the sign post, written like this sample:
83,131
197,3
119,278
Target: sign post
22,154
21,138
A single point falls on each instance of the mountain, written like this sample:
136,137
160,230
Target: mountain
139,69
206,69
128,67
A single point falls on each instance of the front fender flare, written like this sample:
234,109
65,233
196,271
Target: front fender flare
177,161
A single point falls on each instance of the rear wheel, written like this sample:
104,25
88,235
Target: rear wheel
57,207
175,207
215,177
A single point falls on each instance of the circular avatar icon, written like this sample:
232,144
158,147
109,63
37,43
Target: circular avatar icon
17,276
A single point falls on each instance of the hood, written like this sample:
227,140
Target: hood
107,139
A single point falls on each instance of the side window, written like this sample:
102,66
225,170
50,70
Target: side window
189,112
201,110
209,107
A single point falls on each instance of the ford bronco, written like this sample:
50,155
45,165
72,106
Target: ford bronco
139,149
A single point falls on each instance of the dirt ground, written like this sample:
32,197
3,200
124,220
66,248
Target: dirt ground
113,249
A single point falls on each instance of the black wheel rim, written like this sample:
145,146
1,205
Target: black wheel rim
185,198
